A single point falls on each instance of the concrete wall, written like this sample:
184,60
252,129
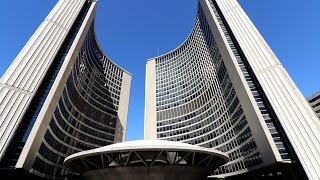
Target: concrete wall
293,111
150,117
263,139
121,127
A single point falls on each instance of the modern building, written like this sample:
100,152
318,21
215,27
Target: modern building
145,160
224,88
314,101
61,95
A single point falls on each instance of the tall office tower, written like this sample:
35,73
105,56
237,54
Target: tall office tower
314,101
61,94
224,88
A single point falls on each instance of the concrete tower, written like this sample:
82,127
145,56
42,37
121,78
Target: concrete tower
224,88
61,95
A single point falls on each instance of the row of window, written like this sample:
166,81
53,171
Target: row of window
211,94
184,69
86,115
105,123
208,122
240,165
194,62
196,101
314,99
235,143
112,72
99,88
90,77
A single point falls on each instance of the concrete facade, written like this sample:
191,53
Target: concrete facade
61,94
224,88
150,102
314,101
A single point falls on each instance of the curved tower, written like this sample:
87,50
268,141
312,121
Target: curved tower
61,95
224,88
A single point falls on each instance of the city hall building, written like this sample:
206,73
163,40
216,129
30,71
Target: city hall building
222,95
224,88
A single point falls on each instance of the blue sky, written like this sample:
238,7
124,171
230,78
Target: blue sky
130,32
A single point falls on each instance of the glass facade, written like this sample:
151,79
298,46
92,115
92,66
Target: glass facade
197,103
87,112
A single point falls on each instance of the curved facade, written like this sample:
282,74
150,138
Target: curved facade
153,159
208,92
80,103
197,102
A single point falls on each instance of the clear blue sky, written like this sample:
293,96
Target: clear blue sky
131,31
